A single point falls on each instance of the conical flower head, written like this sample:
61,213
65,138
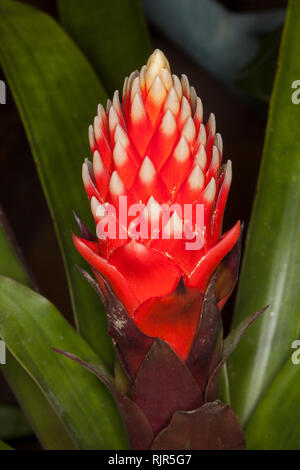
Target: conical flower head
158,191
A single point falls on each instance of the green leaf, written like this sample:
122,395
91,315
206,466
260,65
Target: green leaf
112,34
57,93
12,422
257,78
44,421
10,255
224,393
4,446
47,425
275,423
30,327
271,267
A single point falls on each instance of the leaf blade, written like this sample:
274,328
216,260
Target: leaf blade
31,326
275,423
45,423
270,271
56,92
114,38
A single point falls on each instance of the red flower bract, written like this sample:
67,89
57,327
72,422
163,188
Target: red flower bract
154,149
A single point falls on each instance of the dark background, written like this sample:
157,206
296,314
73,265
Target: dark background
21,196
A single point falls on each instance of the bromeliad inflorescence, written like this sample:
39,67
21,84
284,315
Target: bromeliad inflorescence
164,270
154,150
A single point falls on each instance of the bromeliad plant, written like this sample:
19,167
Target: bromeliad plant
163,277
156,278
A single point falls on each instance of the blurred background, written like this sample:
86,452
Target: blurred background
228,49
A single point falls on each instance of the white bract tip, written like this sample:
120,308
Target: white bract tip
135,87
177,86
168,123
193,98
154,209
108,105
125,84
96,208
228,173
97,128
185,110
212,123
137,108
86,178
199,109
174,227
98,166
172,101
156,62
201,157
130,80
116,186
185,86
196,178
119,154
101,114
158,59
147,171
92,137
201,139
189,130
219,143
143,76
182,150
121,136
215,159
113,119
166,78
157,91
116,100
210,191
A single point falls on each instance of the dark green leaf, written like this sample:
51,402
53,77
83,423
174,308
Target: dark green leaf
12,422
4,446
275,423
31,326
111,33
44,421
57,93
271,268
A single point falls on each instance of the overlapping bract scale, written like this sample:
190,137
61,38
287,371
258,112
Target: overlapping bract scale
153,148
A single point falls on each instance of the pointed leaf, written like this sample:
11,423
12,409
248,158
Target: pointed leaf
138,428
275,423
112,34
206,350
271,267
230,343
228,273
57,93
30,326
163,385
131,343
211,427
44,421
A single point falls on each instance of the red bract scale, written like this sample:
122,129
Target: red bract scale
154,148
